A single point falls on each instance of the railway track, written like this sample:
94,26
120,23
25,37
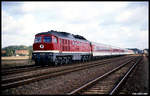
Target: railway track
116,88
106,84
17,81
20,69
14,67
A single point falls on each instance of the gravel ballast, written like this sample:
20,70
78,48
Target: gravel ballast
138,81
64,83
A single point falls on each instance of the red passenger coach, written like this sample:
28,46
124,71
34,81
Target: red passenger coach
60,47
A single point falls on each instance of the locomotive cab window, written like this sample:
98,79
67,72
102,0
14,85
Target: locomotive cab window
47,39
38,39
55,40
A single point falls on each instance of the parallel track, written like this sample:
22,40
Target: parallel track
26,69
115,90
97,87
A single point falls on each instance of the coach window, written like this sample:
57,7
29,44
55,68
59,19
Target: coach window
38,39
47,39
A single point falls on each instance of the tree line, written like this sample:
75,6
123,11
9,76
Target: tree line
10,50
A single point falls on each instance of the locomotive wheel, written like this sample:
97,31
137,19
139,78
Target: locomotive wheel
83,59
63,60
56,62
67,60
60,60
87,58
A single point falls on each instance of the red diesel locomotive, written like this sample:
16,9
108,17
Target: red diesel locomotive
60,47
54,47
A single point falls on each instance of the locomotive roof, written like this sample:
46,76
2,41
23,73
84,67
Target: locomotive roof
63,34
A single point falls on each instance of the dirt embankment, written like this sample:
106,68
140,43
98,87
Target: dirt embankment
14,57
13,61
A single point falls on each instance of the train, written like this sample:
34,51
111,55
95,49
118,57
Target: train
57,48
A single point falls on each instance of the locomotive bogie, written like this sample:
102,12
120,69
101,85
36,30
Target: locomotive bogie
59,58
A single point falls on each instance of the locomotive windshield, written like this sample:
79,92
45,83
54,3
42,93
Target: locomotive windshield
38,39
47,39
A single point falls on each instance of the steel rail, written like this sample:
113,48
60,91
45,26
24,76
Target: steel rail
97,79
15,67
115,89
13,71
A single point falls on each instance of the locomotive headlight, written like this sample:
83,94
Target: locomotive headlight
41,46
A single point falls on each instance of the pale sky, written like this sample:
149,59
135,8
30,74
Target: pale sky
120,24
